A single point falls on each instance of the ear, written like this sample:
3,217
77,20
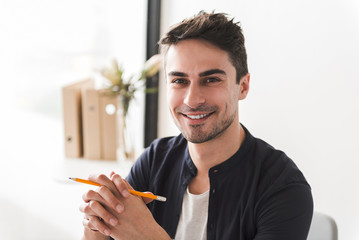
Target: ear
244,86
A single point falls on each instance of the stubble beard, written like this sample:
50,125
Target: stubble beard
199,135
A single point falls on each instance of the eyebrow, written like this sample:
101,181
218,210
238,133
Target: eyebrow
177,74
211,72
202,74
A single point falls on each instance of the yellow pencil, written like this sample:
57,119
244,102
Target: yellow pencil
141,194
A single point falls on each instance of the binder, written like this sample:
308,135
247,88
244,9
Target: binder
91,124
109,125
72,115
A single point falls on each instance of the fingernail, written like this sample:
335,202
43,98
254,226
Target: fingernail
125,193
113,221
119,208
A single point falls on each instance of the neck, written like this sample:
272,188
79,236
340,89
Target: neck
211,153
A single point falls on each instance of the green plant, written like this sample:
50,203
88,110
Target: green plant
126,88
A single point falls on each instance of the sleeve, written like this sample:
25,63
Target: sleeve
286,214
139,174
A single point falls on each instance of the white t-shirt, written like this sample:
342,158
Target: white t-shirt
193,220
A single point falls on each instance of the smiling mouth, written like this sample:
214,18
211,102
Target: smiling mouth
197,117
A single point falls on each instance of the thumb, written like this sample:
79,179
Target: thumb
146,200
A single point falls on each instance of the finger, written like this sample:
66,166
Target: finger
86,223
103,180
110,200
148,200
94,223
84,208
128,185
92,195
94,208
105,197
121,185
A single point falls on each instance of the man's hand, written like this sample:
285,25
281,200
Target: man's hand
113,211
98,204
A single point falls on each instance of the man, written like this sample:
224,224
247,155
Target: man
219,180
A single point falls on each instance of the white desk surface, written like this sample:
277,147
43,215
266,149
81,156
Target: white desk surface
37,200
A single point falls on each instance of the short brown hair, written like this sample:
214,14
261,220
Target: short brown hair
215,28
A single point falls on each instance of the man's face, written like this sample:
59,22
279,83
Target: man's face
202,91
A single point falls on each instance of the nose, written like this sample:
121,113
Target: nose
194,96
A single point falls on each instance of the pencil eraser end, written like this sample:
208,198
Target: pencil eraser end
162,199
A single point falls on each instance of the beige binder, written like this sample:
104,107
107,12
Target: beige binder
109,127
91,124
71,96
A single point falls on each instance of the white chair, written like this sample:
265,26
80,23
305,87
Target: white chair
323,227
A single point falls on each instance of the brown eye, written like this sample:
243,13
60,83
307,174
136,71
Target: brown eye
179,81
211,80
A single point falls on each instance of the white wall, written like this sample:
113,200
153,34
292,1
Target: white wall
303,58
45,45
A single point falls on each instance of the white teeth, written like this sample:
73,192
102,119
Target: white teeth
197,116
